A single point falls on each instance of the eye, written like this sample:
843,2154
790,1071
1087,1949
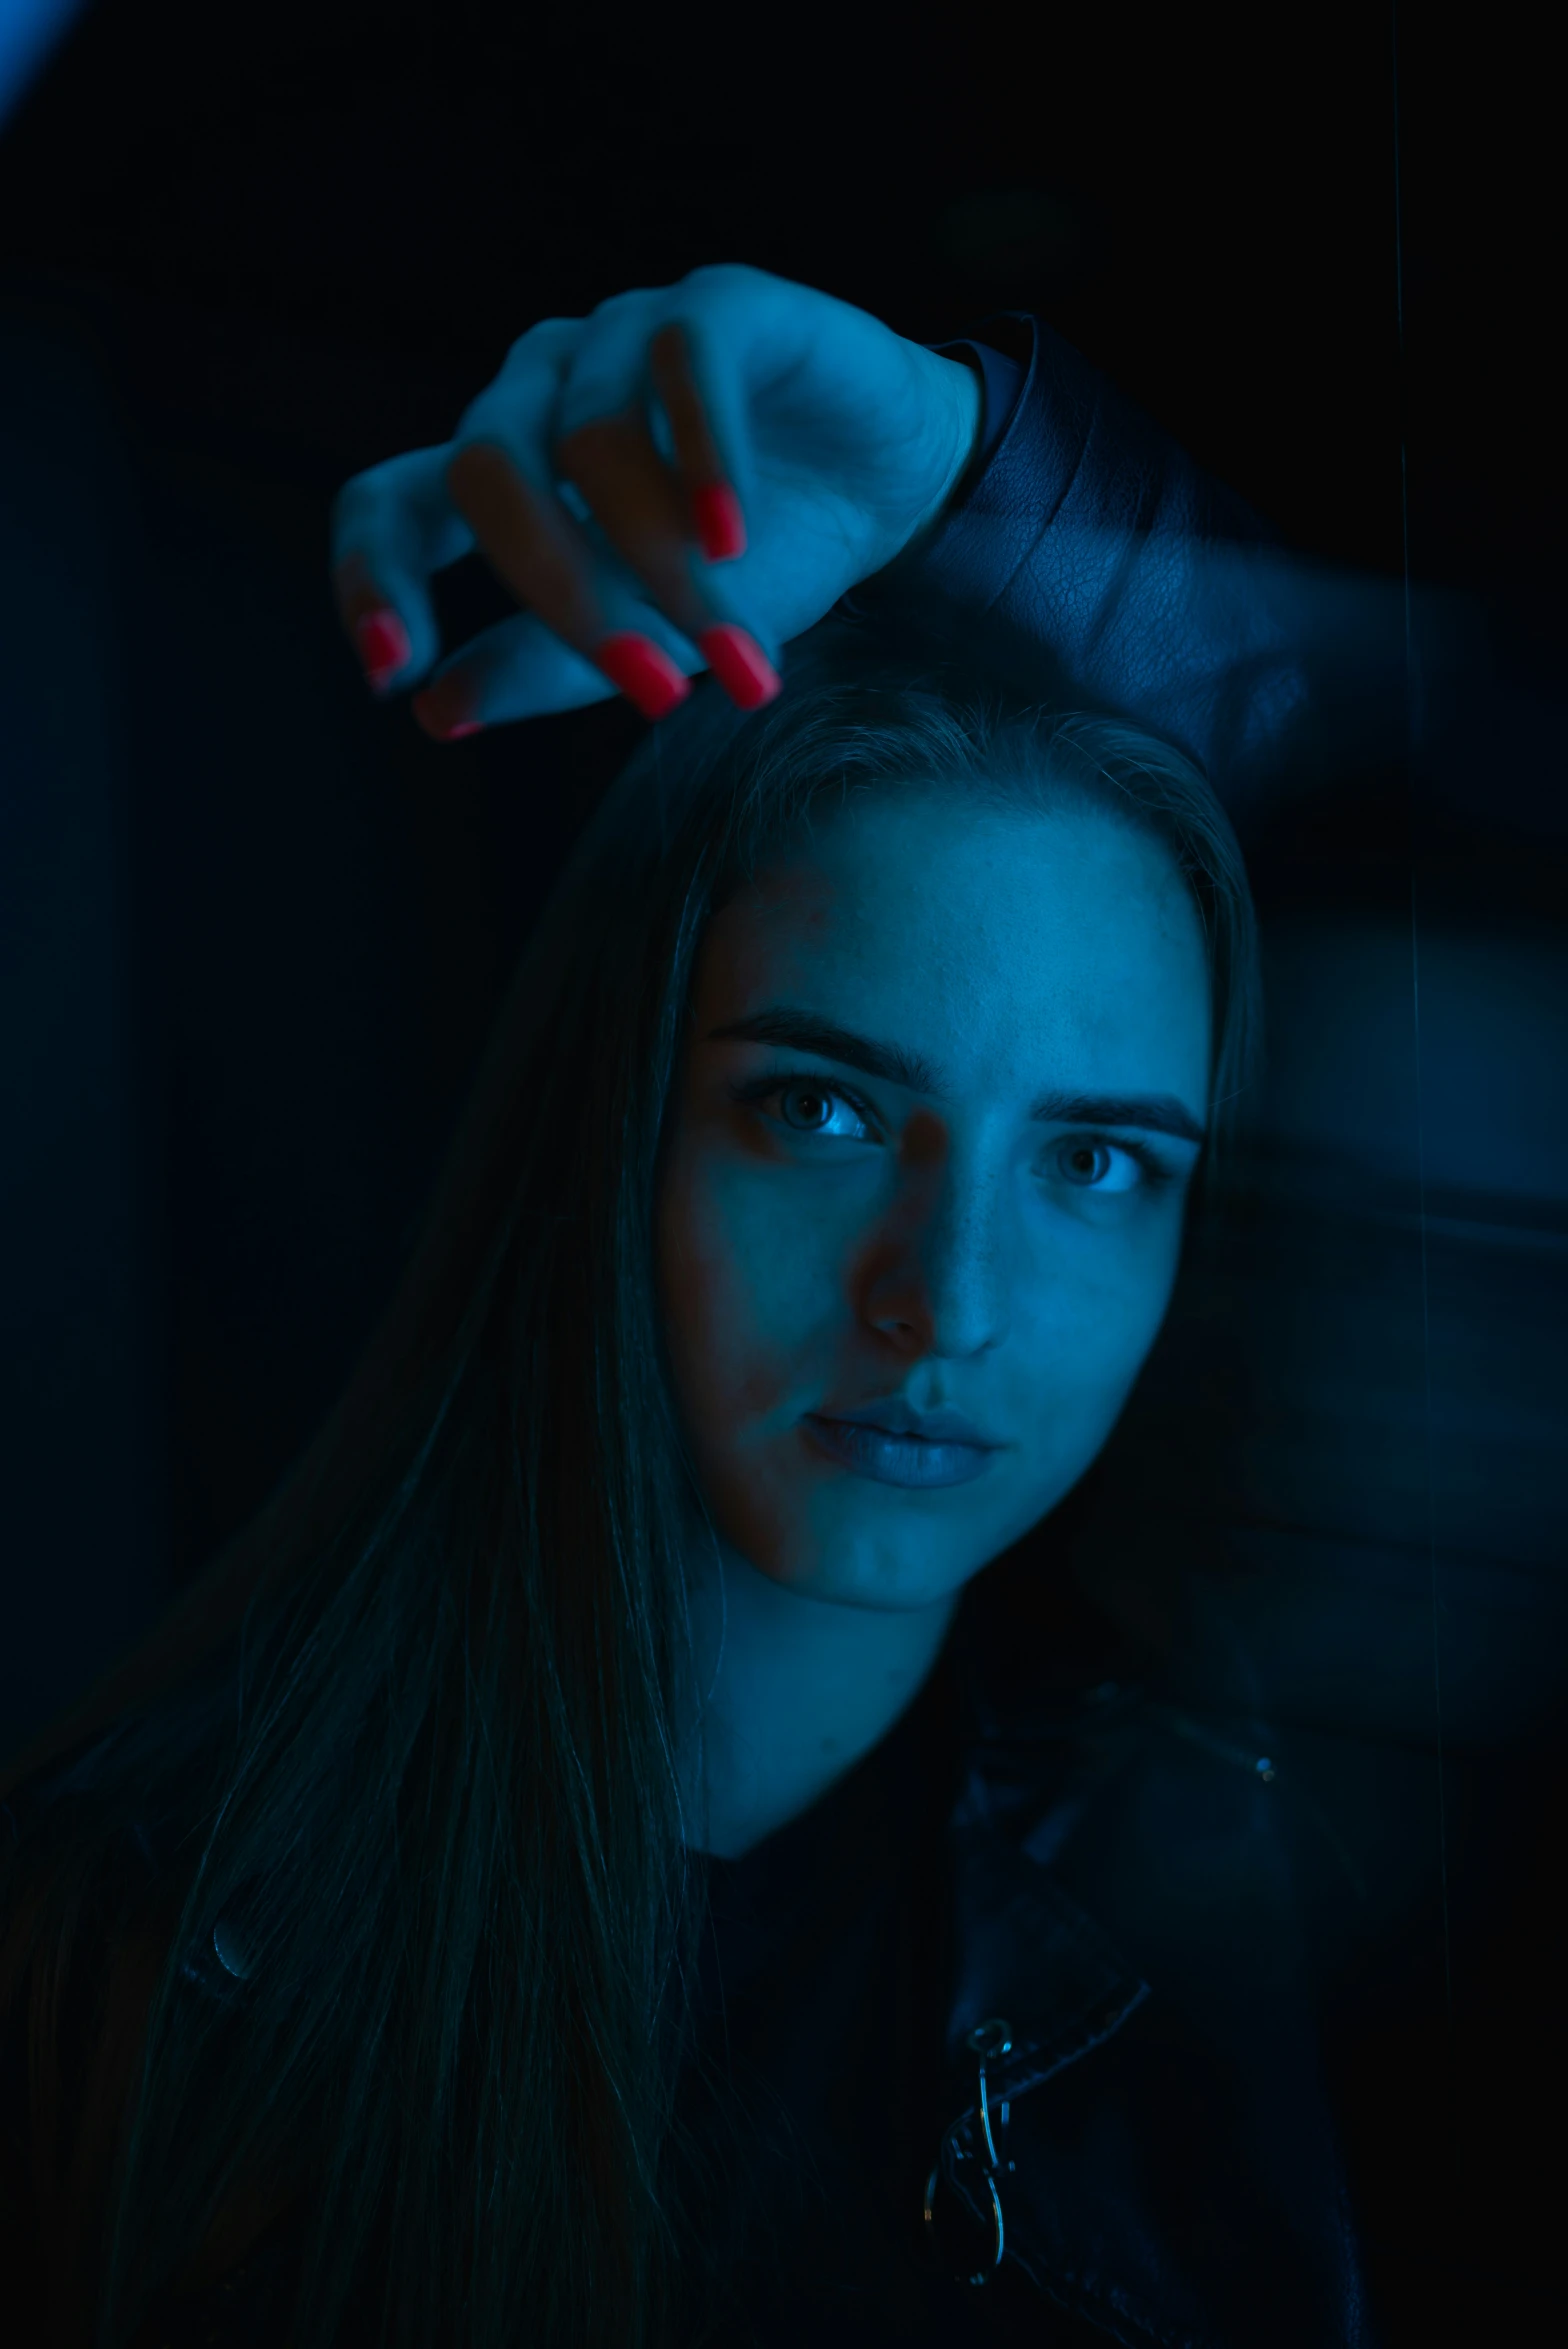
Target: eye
808,1105
811,1108
1093,1165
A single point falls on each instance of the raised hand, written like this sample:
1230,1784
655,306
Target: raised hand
686,479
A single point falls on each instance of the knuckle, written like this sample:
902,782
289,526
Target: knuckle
615,306
358,497
485,425
545,336
371,493
724,279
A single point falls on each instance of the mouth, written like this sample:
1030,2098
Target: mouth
889,1458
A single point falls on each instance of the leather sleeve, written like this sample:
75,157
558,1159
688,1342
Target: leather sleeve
1090,563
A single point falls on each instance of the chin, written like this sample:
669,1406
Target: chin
854,1543
861,1571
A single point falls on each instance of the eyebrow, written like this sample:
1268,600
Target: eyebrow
1159,1113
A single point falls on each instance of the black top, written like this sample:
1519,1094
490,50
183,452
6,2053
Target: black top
824,1998
823,2001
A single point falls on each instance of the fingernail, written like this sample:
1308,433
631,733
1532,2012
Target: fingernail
721,526
636,667
740,665
383,644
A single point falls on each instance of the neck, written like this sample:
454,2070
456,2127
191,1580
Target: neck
801,1690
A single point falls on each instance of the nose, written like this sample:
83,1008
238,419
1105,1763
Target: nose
934,1281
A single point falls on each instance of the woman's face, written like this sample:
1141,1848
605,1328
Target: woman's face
943,1095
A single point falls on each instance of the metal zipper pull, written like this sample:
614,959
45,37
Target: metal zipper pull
988,2042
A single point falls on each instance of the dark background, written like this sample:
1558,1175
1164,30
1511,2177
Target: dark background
254,925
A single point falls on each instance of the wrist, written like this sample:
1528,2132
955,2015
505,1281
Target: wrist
958,392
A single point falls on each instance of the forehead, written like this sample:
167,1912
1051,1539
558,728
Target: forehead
1049,943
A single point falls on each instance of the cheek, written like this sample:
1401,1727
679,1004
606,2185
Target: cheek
1092,1320
740,1294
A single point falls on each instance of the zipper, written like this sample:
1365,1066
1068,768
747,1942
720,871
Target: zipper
989,2042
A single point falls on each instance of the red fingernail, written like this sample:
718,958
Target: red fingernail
740,665
721,526
383,644
636,667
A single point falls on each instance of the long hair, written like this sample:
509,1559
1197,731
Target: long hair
409,1753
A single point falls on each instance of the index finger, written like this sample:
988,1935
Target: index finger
391,527
715,507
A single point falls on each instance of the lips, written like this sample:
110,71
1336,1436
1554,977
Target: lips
893,1416
892,1444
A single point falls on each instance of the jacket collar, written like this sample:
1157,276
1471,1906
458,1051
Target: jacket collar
1139,2124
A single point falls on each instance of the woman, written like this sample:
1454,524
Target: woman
591,1862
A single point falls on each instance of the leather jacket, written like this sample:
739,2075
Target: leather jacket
1087,560
1140,2148
1141,2125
